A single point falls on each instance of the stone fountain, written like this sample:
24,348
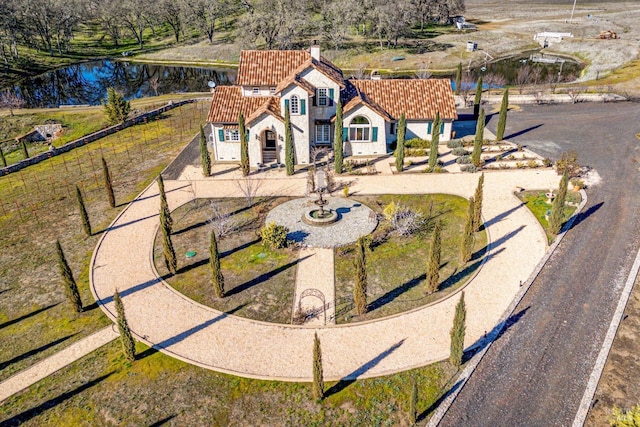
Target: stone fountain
320,216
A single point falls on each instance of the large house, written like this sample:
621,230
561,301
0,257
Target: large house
309,86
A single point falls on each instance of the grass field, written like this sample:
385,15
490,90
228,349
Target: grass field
537,203
102,389
38,206
396,268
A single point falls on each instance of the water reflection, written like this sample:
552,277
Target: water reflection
87,83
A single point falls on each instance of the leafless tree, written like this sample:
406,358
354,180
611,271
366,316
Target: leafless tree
360,72
154,82
523,78
249,188
493,80
423,72
220,220
9,100
575,93
467,88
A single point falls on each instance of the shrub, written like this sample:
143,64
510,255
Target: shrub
577,183
274,235
546,162
463,160
404,220
459,151
469,168
454,143
519,165
416,143
415,152
568,162
532,164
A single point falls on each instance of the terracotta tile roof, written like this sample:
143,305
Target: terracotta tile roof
272,107
268,67
271,67
361,98
416,98
296,79
228,102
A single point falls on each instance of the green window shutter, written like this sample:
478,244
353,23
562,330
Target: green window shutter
303,106
220,135
374,134
247,135
429,124
441,128
345,134
286,104
331,95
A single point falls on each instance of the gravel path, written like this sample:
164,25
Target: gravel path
315,287
203,336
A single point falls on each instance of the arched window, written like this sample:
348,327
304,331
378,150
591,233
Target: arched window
360,129
294,105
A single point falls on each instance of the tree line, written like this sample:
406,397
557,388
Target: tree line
50,25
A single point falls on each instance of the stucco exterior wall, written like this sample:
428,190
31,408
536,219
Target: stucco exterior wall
223,151
370,148
300,123
419,129
257,128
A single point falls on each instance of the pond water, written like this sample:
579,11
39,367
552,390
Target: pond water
87,83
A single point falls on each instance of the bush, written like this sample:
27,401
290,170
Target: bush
532,164
415,152
436,169
454,143
459,151
274,235
416,143
469,168
404,220
464,160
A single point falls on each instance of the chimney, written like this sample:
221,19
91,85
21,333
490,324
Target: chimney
314,50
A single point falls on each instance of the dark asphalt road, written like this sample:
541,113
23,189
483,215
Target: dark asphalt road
535,374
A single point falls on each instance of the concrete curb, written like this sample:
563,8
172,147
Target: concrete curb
594,379
466,373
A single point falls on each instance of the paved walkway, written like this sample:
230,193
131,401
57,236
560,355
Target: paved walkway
57,361
184,329
315,287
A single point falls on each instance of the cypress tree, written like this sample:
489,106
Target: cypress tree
435,140
502,118
83,212
338,140
70,286
360,287
433,265
477,142
128,344
457,333
477,205
169,253
466,246
413,404
204,154
402,124
458,78
557,208
244,146
289,154
23,148
164,206
478,99
108,184
3,160
318,379
216,271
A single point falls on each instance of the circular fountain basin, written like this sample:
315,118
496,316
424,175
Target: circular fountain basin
319,218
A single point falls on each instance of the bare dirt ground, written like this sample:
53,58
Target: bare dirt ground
502,31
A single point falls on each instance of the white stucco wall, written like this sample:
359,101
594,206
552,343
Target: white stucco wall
419,129
367,148
300,123
224,151
257,127
319,80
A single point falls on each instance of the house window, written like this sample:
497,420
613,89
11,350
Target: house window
323,99
359,130
323,134
294,105
272,90
256,91
232,135
392,128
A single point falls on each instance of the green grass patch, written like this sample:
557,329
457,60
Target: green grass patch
38,206
538,204
259,281
103,389
396,268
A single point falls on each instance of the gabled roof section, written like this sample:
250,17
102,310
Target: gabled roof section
268,67
359,98
297,80
273,67
271,107
228,103
418,99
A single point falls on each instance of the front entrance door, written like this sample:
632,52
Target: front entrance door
269,147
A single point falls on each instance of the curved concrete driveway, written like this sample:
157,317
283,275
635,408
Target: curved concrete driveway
223,342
